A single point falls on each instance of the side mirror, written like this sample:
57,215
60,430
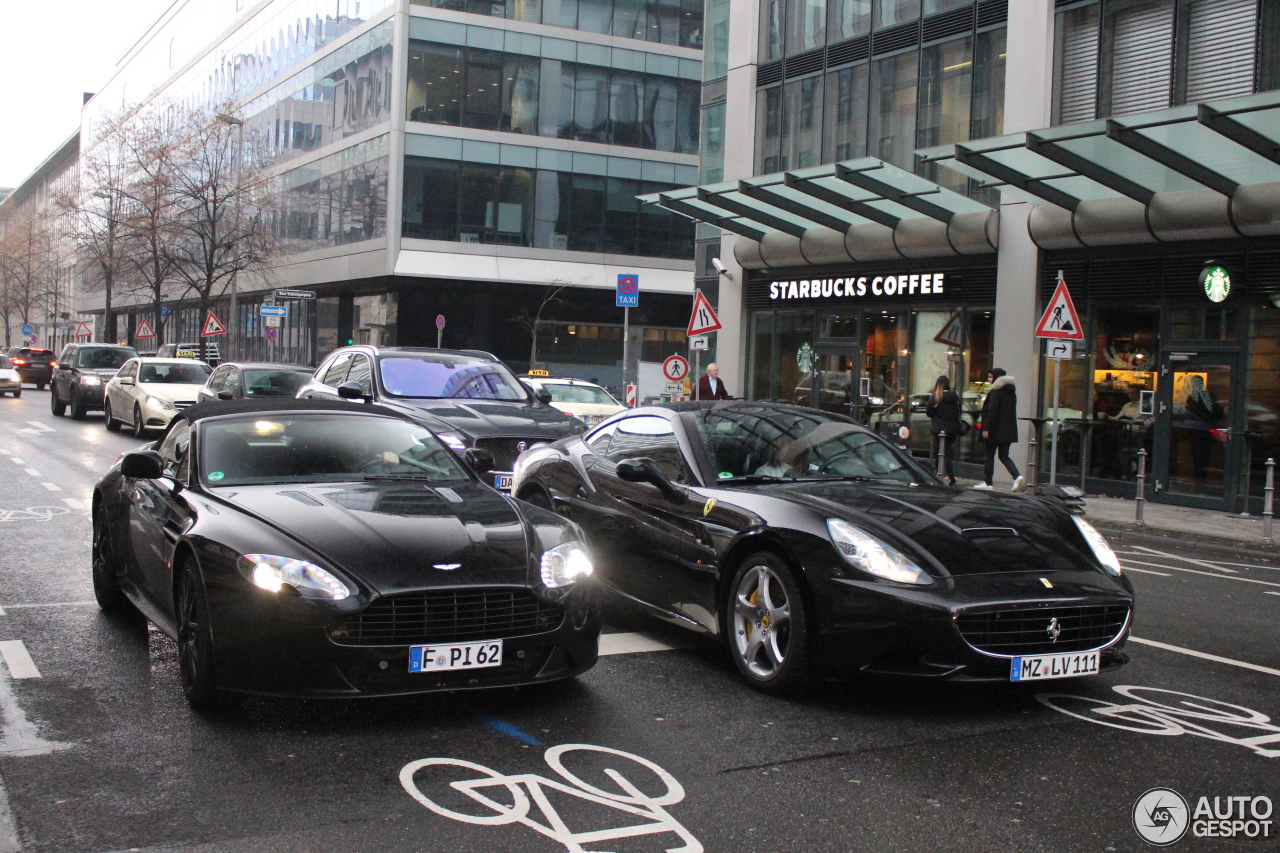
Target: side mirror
645,470
126,381
543,396
63,366
142,465
224,394
479,460
352,391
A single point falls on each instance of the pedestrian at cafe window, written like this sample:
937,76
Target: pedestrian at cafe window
1000,427
944,415
710,386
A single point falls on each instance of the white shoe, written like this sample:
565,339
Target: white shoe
1019,483
983,487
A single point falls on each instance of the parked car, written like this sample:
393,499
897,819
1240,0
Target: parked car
34,365
10,381
815,549
237,380
586,401
213,356
147,392
311,548
466,397
82,375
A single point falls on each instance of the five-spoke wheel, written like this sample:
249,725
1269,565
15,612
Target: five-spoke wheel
765,615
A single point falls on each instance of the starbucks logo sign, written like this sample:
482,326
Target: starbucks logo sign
804,358
1216,282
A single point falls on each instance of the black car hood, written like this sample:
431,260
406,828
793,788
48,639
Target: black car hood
395,535
967,531
484,418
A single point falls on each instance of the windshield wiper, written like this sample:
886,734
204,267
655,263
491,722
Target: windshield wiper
419,476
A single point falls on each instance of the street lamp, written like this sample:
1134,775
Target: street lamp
238,124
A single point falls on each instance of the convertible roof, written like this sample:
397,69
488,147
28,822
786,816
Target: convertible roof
216,408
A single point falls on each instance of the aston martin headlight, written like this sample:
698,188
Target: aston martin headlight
1099,545
156,402
868,553
454,441
564,564
274,573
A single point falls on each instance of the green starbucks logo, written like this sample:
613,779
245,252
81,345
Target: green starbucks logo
1216,282
804,358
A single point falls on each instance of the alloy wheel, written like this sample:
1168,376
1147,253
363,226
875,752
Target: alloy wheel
139,428
761,622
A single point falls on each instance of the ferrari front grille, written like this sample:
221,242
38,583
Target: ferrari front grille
447,616
1043,630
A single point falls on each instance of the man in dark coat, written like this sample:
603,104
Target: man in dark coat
710,386
1000,427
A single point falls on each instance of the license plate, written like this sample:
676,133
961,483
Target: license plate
455,656
1039,667
502,482
592,420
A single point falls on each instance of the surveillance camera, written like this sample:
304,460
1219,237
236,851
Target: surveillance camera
721,268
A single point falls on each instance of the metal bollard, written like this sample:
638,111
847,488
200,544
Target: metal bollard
1033,458
941,450
1141,498
1268,497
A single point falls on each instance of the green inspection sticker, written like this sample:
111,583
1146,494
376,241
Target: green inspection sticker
215,476
726,475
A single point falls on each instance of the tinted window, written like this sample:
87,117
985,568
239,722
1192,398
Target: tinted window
648,436
448,376
218,380
173,450
598,441
589,394
103,358
273,383
174,374
361,372
129,370
337,372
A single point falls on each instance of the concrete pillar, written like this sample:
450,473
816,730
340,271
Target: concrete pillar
1028,105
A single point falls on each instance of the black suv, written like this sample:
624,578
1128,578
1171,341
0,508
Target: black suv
33,365
82,376
467,398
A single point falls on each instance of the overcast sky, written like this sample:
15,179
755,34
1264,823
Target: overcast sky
50,55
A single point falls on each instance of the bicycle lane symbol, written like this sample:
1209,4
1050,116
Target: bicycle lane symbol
527,789
33,513
1174,714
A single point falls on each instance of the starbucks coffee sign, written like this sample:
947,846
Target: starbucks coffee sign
1216,281
859,287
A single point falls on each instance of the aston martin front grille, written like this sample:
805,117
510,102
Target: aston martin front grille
447,616
1027,631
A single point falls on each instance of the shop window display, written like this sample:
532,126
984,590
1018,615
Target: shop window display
795,333
1126,348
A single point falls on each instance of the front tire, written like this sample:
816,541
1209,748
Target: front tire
768,632
17,394
112,424
195,643
106,577
139,428
56,404
77,406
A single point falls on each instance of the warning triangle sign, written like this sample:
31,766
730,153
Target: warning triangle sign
703,319
952,333
145,330
212,327
83,330
1060,319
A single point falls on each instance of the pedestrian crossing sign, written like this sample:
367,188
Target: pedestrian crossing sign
1060,319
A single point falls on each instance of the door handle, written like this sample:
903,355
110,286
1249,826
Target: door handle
1163,408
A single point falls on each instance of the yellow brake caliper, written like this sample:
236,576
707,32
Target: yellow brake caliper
752,598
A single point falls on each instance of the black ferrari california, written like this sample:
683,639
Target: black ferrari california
314,548
815,549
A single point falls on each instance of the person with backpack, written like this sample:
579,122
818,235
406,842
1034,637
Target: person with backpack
1000,427
944,415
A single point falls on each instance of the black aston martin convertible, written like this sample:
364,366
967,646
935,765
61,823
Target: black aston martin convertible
312,548
814,548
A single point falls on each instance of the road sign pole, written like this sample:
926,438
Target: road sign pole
1053,451
626,333
697,375
439,335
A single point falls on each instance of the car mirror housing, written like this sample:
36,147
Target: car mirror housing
543,396
126,381
479,460
352,391
142,465
224,394
645,470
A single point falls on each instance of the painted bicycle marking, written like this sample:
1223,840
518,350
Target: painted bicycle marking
33,513
527,789
1172,713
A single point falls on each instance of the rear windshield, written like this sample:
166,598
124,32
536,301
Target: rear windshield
37,355
174,374
448,376
274,383
103,358
588,394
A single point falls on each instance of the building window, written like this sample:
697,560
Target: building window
892,129
660,21
806,25
715,53
1138,63
846,113
712,161
768,130
770,31
847,18
802,123
891,12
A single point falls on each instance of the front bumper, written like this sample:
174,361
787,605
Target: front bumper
91,397
154,418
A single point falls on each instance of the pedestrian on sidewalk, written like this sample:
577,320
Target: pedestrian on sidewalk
1000,427
944,415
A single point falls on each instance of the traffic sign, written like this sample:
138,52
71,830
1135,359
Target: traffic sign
631,394
64,325
295,294
952,333
272,321
273,310
675,387
628,295
83,330
1061,350
145,330
675,368
212,327
698,343
272,333
165,310
703,319
440,321
28,329
1060,319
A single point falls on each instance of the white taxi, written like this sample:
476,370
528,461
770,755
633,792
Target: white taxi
586,401
147,392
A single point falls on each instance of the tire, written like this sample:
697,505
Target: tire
538,498
39,386
56,404
767,628
17,394
139,428
111,423
106,568
77,406
195,643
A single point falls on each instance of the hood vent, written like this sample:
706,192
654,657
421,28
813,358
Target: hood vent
989,532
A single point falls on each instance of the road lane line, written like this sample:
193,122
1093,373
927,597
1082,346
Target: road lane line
1212,575
16,461
48,604
2,613
1147,571
1187,560
18,659
1206,656
6,452
73,503
631,643
42,427
51,487
33,472
1269,592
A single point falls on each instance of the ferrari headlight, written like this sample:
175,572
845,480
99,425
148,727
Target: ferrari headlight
868,553
454,441
564,564
90,380
1099,545
274,573
157,403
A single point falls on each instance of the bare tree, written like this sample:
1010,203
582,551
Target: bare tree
532,321
28,264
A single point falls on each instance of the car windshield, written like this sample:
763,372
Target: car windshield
590,394
448,376
274,383
318,448
174,374
747,440
103,358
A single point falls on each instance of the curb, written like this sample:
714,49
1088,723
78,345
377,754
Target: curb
1210,545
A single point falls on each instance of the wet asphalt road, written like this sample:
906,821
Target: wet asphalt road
100,753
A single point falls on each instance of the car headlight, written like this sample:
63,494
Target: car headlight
1099,545
454,441
90,380
868,553
156,402
564,564
274,573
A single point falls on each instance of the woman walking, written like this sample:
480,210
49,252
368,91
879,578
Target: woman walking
944,415
1000,427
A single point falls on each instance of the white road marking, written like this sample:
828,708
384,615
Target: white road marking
1216,568
6,452
51,487
48,604
73,503
2,613
1212,575
20,737
18,659
33,472
1269,592
629,644
16,461
42,427
1206,656
1147,572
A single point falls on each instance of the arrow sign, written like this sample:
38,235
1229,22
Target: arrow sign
273,310
83,330
703,319
1060,319
145,330
952,333
212,327
675,368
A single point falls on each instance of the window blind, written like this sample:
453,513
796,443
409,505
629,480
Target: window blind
1141,57
1222,37
1078,65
